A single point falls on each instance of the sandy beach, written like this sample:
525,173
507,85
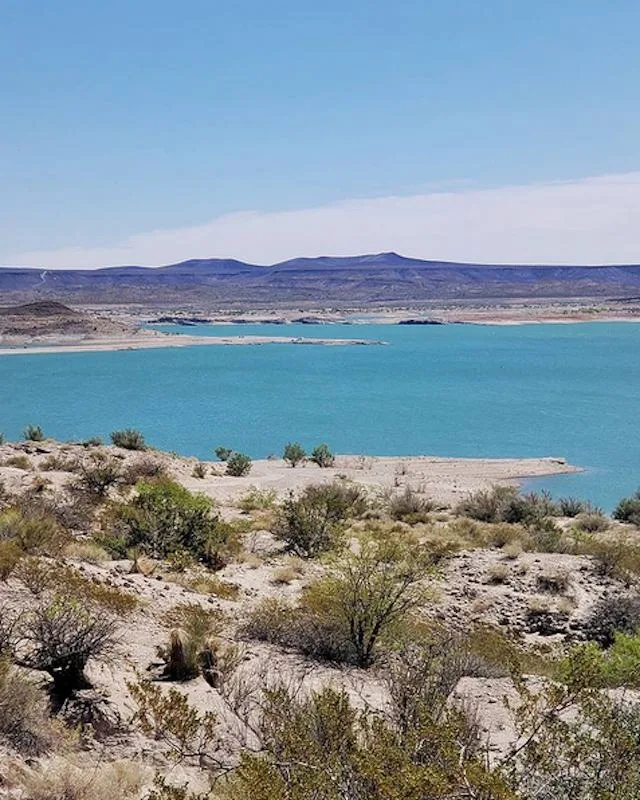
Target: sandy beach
144,342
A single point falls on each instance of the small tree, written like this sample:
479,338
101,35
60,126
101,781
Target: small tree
294,453
223,453
628,509
129,439
322,456
238,465
34,433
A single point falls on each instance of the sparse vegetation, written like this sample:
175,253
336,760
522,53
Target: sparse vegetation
129,439
223,453
294,454
410,506
628,509
238,465
199,470
18,462
34,433
322,456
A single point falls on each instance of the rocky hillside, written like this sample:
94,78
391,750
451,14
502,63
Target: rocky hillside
367,279
42,321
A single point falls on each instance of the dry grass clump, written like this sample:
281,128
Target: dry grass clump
556,581
512,550
284,575
86,550
210,584
192,648
255,499
25,721
498,573
18,462
592,522
145,468
199,470
60,778
60,463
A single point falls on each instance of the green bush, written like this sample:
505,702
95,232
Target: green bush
628,509
32,530
34,433
314,522
294,454
223,453
322,456
506,504
572,506
238,465
129,439
161,518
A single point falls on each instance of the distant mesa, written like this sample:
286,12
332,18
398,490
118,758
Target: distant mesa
379,279
43,308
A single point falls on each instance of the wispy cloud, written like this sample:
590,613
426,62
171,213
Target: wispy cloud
588,221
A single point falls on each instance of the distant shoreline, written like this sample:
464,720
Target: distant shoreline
170,341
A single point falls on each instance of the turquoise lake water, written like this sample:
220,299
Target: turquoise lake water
455,390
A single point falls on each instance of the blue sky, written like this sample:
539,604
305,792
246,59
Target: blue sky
119,119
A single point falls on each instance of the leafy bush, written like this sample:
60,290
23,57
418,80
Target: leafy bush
411,506
314,522
322,456
294,454
129,439
238,465
161,518
223,453
34,433
32,529
628,509
618,613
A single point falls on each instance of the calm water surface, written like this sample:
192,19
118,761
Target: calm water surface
532,390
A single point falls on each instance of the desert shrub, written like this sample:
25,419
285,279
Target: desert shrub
86,550
238,465
93,441
544,536
98,472
590,754
144,468
25,723
628,509
314,522
411,506
572,506
614,558
58,636
529,509
34,433
318,745
620,663
617,613
346,616
18,462
199,470
206,583
322,456
256,499
592,522
501,534
223,453
487,505
2,439
190,648
33,530
294,454
161,518
129,439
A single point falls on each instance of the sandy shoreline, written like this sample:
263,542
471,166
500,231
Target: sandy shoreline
173,340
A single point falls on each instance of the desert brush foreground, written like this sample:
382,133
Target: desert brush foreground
316,626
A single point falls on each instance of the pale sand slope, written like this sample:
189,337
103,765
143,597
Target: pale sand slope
167,340
444,479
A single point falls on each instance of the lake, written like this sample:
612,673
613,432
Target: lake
453,390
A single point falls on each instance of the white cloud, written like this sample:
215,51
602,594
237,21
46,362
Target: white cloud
587,221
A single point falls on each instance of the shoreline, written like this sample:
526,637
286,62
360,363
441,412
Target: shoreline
174,340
